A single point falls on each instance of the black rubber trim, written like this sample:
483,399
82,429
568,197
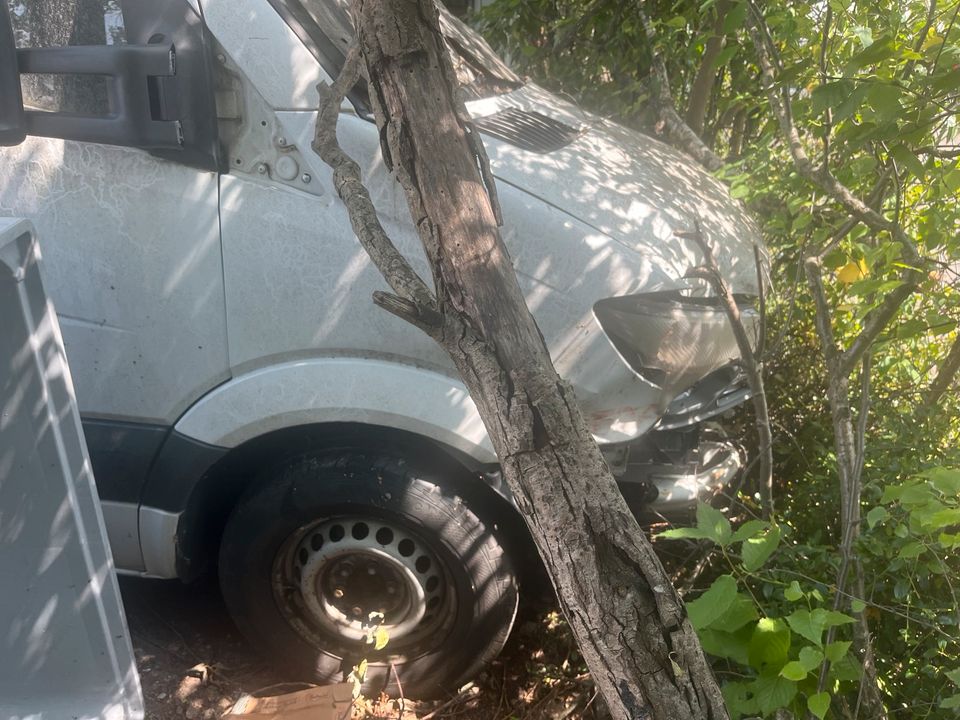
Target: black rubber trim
121,454
177,470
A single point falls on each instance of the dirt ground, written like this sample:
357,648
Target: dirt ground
194,664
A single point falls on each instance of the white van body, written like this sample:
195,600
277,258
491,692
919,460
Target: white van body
216,305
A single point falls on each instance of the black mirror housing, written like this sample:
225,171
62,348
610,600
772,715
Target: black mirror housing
13,126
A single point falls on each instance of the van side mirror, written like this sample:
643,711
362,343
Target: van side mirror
13,127
159,86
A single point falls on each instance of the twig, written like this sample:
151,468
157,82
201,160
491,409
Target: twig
459,697
403,702
710,272
413,301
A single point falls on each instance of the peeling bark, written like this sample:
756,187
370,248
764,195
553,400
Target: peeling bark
628,620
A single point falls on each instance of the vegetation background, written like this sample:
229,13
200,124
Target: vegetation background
873,91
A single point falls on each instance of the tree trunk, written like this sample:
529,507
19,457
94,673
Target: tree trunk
628,620
707,72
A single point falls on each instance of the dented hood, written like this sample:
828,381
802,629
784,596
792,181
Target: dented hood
629,186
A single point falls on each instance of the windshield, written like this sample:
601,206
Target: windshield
479,71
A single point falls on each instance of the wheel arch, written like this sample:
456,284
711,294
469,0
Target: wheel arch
217,491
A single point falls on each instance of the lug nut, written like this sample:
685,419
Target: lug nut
371,569
391,588
338,592
357,611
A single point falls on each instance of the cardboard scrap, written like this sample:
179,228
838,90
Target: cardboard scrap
327,702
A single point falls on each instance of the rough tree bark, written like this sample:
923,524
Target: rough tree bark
628,620
706,75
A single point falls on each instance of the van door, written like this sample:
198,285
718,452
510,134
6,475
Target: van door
119,174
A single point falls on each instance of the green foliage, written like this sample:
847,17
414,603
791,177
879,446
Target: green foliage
749,619
875,91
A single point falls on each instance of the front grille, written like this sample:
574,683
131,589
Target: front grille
528,130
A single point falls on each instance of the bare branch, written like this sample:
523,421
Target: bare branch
946,374
404,280
710,271
813,268
874,324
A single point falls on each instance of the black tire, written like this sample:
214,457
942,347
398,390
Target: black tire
268,555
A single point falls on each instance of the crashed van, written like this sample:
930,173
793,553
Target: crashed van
244,403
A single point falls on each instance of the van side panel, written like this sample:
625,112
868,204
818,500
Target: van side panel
131,249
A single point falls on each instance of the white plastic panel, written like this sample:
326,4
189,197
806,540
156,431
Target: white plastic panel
345,389
64,647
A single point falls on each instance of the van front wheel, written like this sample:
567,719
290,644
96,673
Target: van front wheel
327,548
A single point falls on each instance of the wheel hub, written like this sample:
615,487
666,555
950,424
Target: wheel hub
348,575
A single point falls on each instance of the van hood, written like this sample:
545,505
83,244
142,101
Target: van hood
622,183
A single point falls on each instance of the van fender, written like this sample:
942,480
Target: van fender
339,389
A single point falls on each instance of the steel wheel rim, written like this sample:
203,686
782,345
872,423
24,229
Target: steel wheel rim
330,576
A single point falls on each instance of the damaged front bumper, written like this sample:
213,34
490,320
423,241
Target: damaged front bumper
666,473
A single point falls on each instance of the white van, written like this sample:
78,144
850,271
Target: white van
242,398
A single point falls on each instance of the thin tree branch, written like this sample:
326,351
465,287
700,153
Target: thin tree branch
404,280
946,374
710,272
875,323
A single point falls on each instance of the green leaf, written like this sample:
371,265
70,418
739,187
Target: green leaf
726,55
943,519
736,698
877,515
857,605
722,644
755,551
742,611
714,524
749,529
835,651
793,671
905,158
793,592
851,103
812,624
810,658
734,18
772,693
769,644
879,50
712,604
829,95
950,703
951,179
885,100
802,623
954,676
946,480
911,550
684,533
819,704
